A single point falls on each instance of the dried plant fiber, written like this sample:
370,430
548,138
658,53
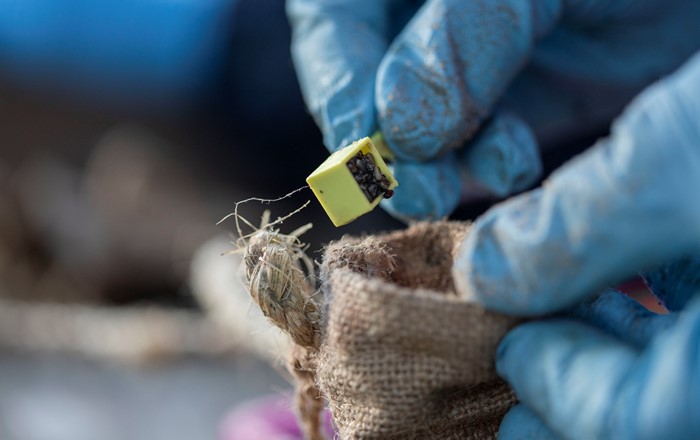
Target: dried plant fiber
400,355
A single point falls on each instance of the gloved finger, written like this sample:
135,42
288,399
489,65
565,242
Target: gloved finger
619,315
601,217
522,424
442,76
585,384
674,283
503,159
429,190
337,46
439,80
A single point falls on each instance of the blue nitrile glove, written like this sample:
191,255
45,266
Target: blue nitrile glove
121,50
559,65
639,379
630,203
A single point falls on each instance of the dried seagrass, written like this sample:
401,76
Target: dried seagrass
279,286
274,265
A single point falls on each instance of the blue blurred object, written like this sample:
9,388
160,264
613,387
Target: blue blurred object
127,50
563,67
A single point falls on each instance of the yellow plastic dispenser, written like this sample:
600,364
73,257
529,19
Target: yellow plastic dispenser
352,182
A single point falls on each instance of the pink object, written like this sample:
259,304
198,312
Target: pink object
638,290
268,418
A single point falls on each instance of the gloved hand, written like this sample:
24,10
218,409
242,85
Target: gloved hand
636,379
463,71
630,203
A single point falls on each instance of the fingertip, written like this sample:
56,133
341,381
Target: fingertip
532,355
424,107
504,158
513,349
497,263
420,117
522,424
426,191
438,80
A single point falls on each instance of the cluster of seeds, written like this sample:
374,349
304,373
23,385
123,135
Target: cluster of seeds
368,176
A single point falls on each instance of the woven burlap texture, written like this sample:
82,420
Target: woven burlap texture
402,356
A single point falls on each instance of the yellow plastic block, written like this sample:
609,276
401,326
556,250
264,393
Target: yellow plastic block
337,189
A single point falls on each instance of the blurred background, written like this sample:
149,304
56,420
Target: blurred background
127,130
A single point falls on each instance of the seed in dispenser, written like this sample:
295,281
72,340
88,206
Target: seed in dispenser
368,176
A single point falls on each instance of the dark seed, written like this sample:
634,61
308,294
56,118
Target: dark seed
374,190
388,193
368,176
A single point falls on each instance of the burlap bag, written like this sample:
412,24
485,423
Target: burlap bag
401,356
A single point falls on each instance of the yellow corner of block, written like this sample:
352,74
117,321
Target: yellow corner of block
348,191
